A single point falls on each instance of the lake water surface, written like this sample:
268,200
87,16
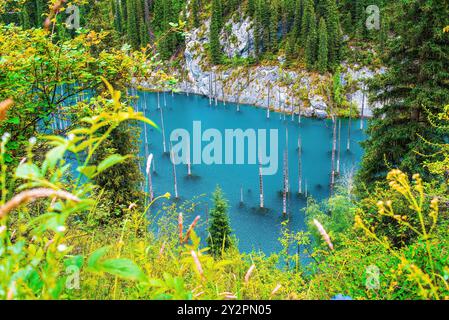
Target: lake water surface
255,229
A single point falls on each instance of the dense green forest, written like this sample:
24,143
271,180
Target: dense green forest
72,206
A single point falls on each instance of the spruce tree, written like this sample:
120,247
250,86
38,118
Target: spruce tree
297,19
251,7
132,31
274,23
258,29
219,228
308,20
333,31
311,43
413,88
215,28
322,47
195,13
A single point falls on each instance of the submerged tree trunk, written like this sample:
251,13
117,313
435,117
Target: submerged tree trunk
261,184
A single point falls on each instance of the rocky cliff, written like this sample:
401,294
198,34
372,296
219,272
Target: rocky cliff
270,86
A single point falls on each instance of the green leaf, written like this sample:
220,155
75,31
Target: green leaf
92,262
111,161
123,268
27,171
15,120
74,261
54,155
88,171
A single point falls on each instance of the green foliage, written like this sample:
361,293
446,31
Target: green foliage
216,25
322,60
417,71
311,45
219,239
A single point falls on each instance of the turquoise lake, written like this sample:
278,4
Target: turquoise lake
254,228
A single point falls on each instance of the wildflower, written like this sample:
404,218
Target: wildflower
11,291
249,272
33,194
180,227
161,251
2,228
62,247
6,137
32,140
189,231
197,262
323,233
276,289
61,228
167,195
4,107
132,206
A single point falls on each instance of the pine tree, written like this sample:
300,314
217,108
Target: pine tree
322,47
132,31
219,228
311,43
195,13
215,28
298,18
258,29
414,86
333,31
251,7
265,15
308,20
40,8
274,23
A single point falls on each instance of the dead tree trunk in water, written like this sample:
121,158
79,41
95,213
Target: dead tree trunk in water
334,146
148,171
163,131
238,96
299,165
261,184
210,89
363,109
284,192
339,147
286,151
348,143
268,103
175,182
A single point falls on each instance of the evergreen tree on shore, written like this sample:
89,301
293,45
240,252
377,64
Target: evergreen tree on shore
333,31
414,85
195,13
219,228
131,24
215,28
322,59
311,43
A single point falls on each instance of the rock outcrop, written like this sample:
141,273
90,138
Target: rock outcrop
265,86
